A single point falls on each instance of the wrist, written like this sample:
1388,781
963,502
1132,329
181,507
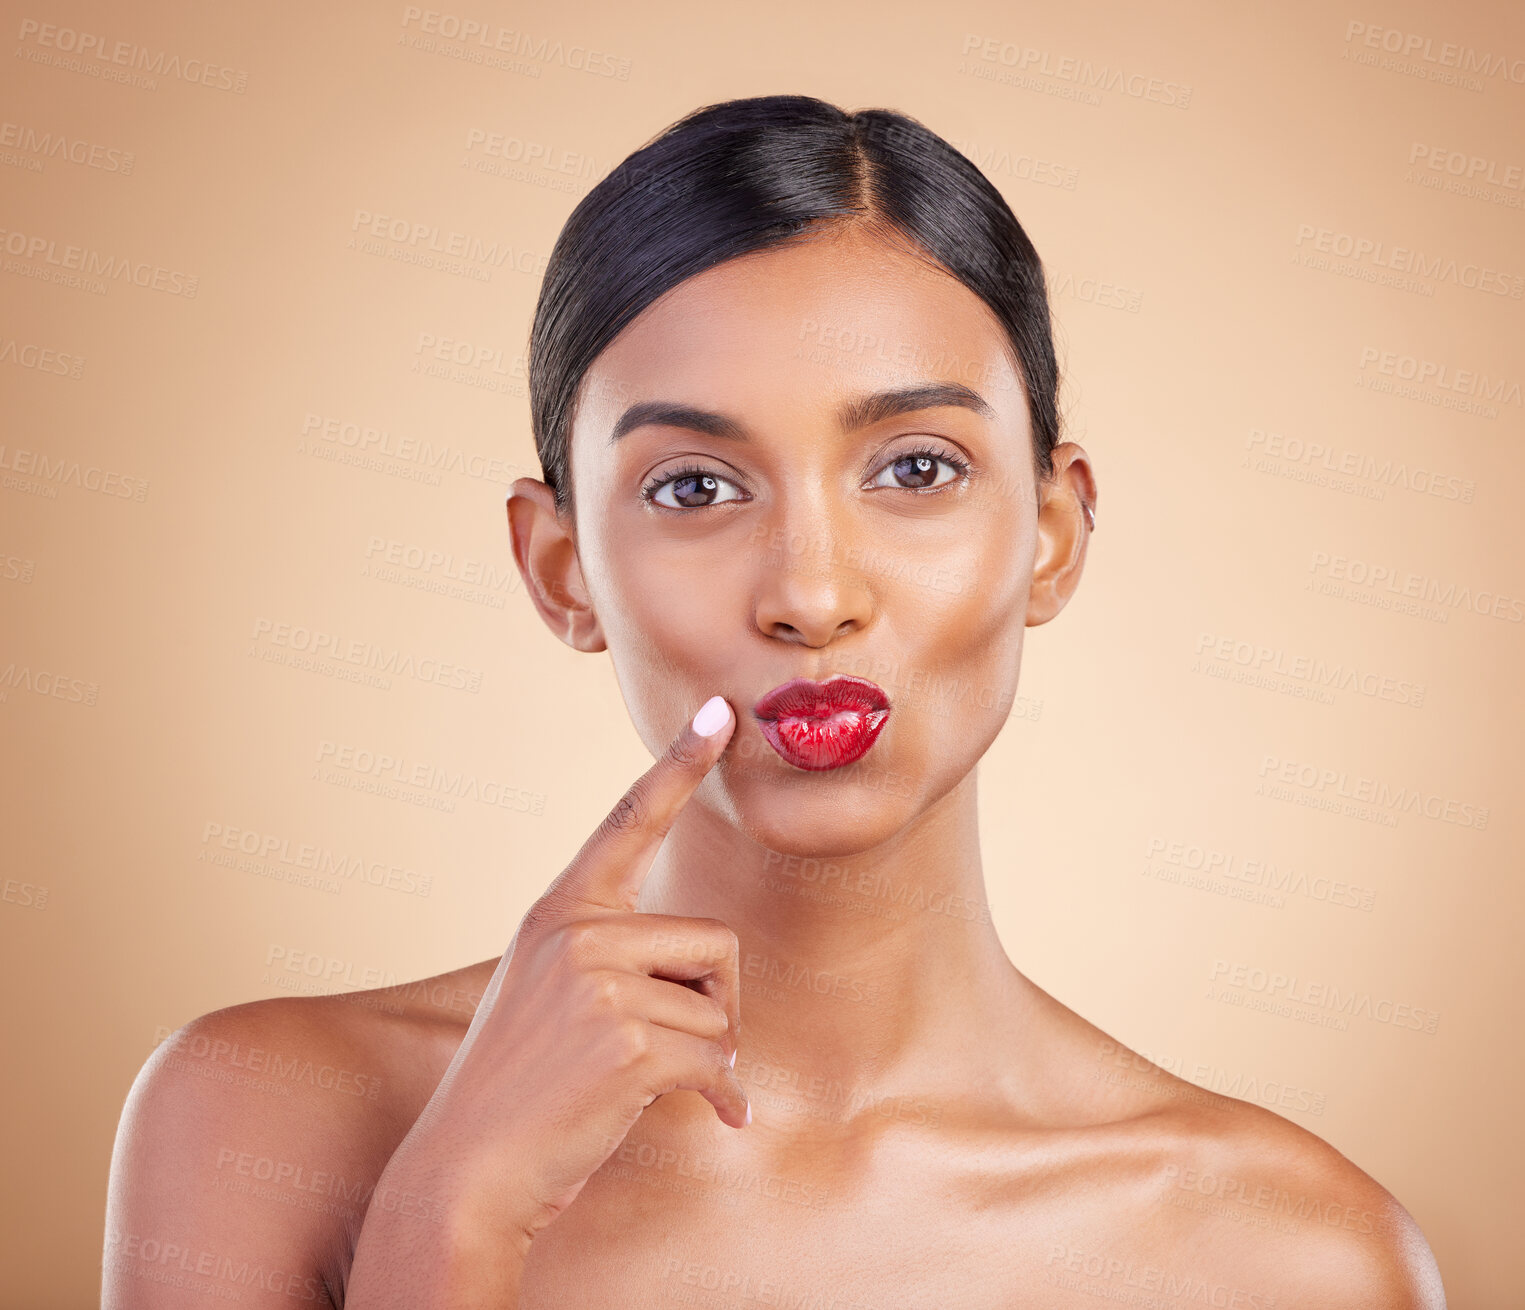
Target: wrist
425,1247
477,1209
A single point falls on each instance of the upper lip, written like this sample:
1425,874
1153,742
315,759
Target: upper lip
803,698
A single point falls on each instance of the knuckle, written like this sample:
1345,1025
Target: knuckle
719,1020
725,936
632,1041
577,942
546,913
539,916
686,754
718,1067
629,812
608,991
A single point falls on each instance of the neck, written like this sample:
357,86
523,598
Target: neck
866,970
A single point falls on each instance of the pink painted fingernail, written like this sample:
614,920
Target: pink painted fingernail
712,716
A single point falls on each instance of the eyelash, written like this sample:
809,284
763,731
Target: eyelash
960,466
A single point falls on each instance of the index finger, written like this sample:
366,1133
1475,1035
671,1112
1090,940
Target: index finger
609,870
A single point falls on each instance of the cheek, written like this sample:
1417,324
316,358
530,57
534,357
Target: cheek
961,626
668,617
946,643
676,588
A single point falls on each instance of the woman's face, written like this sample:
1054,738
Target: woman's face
802,532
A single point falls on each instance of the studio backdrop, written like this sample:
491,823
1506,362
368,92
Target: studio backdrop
277,716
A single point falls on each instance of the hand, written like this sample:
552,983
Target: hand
594,1011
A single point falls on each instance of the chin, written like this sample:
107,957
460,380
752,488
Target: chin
831,813
827,836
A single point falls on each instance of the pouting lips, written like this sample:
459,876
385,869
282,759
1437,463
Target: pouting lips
801,698
822,725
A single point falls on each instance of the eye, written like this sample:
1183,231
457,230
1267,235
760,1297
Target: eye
916,470
692,488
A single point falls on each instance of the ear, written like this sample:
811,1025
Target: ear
546,552
1064,527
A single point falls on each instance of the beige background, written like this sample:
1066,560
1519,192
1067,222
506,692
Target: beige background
149,707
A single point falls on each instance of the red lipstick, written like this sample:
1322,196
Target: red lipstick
822,725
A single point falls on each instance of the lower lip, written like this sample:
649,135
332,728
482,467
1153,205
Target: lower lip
824,743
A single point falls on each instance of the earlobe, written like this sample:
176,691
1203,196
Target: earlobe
1066,518
546,554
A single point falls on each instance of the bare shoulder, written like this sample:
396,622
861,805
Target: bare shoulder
1286,1204
251,1142
1268,1206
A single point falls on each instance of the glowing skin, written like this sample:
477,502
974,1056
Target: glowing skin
929,1127
812,574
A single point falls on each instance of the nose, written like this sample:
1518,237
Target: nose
806,593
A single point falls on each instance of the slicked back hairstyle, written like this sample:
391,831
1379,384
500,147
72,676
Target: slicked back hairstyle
732,178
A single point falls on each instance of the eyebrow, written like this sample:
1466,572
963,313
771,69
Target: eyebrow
860,412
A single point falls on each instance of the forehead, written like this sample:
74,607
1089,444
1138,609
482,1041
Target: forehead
797,328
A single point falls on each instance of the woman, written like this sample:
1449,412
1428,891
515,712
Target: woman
794,395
